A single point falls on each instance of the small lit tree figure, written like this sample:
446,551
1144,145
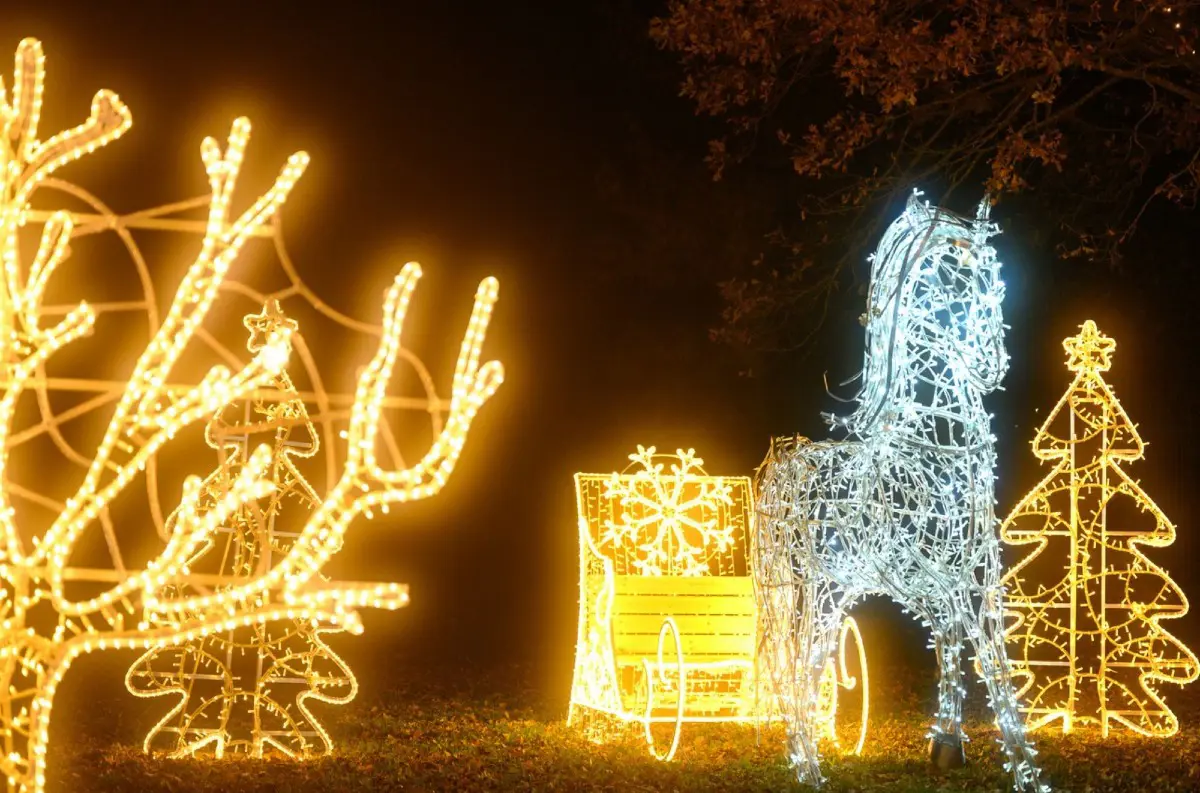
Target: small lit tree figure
244,691
1085,638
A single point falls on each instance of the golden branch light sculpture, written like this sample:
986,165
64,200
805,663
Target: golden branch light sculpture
1085,604
43,625
668,626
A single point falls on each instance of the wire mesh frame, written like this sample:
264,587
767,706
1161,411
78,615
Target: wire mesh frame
904,505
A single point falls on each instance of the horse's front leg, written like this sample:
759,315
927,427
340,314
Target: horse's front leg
986,633
946,735
780,597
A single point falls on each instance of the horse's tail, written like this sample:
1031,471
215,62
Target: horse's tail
773,505
777,694
780,446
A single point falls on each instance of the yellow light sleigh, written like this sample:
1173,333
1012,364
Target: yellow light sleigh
667,616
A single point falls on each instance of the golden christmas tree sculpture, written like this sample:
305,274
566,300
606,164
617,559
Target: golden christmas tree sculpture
1086,605
244,691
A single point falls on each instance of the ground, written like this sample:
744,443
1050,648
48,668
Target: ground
440,728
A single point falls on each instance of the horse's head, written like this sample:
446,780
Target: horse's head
934,310
963,300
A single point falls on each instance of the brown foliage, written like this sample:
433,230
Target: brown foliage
1090,107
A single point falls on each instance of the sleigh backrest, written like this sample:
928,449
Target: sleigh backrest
667,522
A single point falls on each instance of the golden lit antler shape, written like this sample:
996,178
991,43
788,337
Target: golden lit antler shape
149,411
32,662
364,484
143,407
28,161
219,720
25,162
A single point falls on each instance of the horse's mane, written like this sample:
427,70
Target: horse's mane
911,243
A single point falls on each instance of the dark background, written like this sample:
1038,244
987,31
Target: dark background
546,144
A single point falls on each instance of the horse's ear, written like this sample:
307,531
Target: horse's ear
985,209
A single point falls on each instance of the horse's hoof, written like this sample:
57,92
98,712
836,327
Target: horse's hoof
946,752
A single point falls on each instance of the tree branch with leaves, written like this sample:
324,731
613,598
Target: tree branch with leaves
1088,108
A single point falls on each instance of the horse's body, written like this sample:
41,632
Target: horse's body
904,506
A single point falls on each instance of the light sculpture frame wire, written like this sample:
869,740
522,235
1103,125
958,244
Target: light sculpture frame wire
1087,639
140,413
905,505
667,618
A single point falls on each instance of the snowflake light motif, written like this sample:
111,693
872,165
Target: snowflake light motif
671,520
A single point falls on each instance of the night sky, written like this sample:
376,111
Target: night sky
545,144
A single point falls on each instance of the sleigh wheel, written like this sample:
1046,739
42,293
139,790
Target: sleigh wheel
849,682
659,669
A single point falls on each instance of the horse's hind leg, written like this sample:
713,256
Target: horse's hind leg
782,643
817,629
986,633
946,736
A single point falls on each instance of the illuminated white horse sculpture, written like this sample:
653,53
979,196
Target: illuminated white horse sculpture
904,507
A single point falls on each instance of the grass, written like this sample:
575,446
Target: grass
474,730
